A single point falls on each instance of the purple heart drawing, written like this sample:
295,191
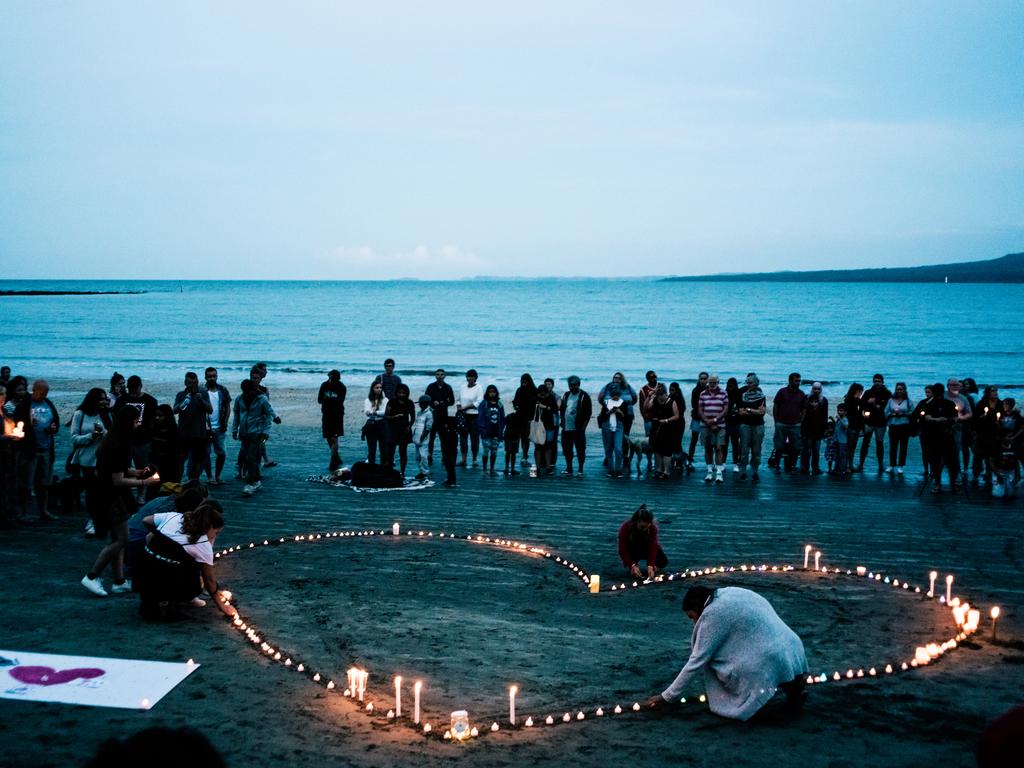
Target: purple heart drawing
50,676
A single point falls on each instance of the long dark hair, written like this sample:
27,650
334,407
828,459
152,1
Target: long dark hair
196,523
853,388
90,405
494,389
526,380
642,515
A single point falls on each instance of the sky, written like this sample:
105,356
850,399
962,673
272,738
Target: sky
337,140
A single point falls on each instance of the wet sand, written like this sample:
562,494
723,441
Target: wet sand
469,619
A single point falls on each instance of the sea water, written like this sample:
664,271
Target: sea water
834,332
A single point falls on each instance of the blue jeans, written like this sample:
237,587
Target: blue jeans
613,445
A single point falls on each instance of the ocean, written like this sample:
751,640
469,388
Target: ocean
836,333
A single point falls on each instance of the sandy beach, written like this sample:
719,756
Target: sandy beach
469,620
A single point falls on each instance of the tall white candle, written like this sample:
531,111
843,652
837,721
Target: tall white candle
398,695
363,674
995,615
949,588
931,583
416,702
817,560
512,704
807,555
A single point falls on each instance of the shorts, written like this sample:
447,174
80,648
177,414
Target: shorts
41,470
695,426
716,438
333,426
490,445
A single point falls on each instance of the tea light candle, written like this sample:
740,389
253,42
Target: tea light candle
395,529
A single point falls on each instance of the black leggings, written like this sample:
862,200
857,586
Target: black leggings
899,438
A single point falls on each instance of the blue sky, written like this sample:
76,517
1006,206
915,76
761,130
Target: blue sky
340,140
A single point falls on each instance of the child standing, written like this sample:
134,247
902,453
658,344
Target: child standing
512,435
841,437
491,426
421,429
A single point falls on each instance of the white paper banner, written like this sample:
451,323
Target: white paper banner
88,680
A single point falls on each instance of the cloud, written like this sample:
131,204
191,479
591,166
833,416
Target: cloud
422,261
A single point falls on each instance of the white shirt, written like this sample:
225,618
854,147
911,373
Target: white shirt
169,524
214,395
375,413
470,397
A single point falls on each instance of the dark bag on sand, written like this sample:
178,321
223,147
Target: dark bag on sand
367,475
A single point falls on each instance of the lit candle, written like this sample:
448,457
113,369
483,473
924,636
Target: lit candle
973,620
395,529
363,675
931,583
817,560
949,588
595,584
807,555
417,686
512,704
861,570
398,695
995,615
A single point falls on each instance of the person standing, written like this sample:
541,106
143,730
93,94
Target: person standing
750,415
646,396
374,408
37,448
470,395
389,379
491,426
442,397
788,412
117,388
664,416
332,409
732,424
939,420
611,418
695,423
421,429
399,416
136,396
89,425
711,409
547,410
252,419
525,403
812,430
220,402
898,411
192,406
962,425
628,395
872,405
575,411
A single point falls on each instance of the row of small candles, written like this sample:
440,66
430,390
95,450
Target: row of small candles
966,618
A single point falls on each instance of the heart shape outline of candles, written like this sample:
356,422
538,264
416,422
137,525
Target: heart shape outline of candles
921,656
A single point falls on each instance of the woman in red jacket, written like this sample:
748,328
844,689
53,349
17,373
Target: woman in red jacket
638,540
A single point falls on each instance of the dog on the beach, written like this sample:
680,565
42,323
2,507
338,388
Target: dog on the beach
636,447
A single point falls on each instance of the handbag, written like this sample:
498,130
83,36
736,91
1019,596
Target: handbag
538,433
461,425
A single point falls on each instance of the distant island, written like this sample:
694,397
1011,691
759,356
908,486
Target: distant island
67,293
1007,269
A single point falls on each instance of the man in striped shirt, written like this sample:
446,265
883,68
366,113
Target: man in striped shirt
711,409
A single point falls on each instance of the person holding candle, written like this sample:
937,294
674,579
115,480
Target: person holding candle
855,418
116,481
665,430
872,405
922,436
638,540
8,439
898,411
177,562
742,650
987,414
36,450
399,416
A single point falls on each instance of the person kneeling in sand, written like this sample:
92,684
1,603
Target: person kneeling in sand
638,540
743,650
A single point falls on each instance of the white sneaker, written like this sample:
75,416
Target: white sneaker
248,490
90,529
94,585
257,485
710,475
899,470
120,589
720,475
890,470
735,467
198,602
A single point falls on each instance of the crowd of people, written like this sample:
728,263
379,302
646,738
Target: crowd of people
961,431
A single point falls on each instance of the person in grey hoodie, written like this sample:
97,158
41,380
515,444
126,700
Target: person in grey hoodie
252,419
